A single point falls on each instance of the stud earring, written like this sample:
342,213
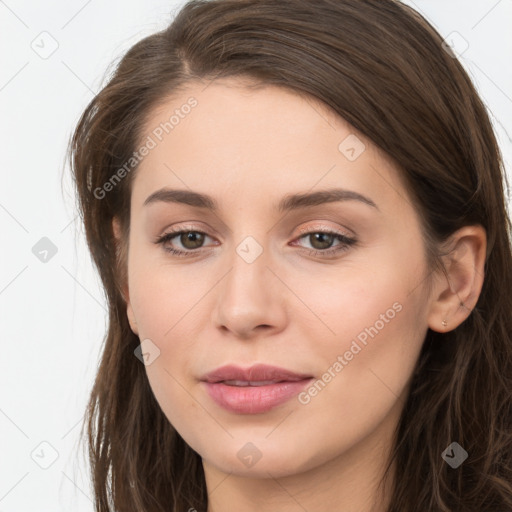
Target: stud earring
444,322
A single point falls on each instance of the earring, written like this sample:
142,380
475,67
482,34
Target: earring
444,322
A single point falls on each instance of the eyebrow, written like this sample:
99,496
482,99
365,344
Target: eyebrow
287,203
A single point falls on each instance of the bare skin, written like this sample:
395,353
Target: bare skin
291,306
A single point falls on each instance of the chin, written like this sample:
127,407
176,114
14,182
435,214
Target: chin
258,457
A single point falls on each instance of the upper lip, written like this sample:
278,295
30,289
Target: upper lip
258,372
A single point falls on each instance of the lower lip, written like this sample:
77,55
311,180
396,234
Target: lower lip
254,399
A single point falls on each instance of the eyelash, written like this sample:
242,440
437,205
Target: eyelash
346,242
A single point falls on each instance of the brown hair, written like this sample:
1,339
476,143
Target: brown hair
382,67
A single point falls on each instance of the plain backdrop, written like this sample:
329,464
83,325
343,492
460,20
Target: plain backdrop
53,316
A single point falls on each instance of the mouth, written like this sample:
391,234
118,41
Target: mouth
259,374
253,390
244,383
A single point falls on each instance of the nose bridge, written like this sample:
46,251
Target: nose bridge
249,274
247,295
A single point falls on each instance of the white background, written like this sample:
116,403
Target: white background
53,314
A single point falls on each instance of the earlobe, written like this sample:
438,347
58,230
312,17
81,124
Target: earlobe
116,228
131,319
456,293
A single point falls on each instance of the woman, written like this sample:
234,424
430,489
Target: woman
298,215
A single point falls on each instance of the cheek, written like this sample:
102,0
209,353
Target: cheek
163,313
367,333
352,302
164,300
167,303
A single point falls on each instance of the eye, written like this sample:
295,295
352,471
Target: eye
189,240
322,242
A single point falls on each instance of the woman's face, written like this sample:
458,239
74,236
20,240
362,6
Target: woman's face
332,291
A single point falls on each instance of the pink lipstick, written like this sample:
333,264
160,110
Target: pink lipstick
253,390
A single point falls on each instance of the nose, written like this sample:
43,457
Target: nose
250,299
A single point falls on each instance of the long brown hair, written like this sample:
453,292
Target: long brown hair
383,68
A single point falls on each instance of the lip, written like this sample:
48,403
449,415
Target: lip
260,387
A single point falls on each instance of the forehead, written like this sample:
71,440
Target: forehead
227,138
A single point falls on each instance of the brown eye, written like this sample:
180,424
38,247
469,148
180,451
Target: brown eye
321,240
191,239
187,242
326,243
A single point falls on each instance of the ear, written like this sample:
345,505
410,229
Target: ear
454,296
121,246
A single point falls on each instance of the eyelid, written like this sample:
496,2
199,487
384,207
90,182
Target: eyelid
303,231
346,240
176,228
175,232
324,229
